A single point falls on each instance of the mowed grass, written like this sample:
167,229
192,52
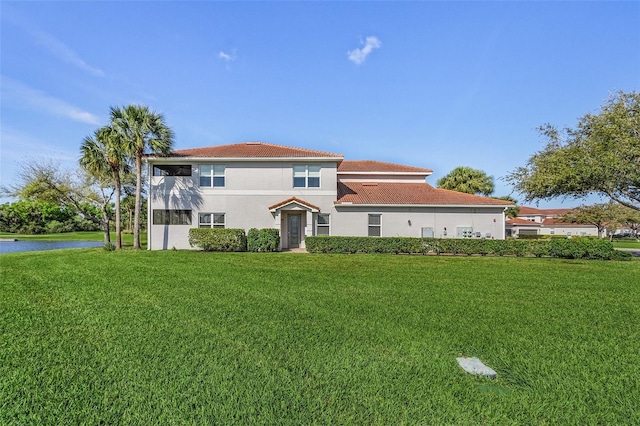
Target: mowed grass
91,337
630,244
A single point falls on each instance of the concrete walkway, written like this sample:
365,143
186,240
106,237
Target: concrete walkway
295,250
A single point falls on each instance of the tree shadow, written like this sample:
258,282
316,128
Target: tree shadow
176,193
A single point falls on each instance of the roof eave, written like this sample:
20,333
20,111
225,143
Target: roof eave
245,159
349,204
373,172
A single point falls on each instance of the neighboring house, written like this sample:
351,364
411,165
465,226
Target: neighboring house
532,221
303,192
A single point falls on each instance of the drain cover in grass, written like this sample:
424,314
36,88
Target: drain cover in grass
475,366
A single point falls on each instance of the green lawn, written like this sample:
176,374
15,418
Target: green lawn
630,244
90,337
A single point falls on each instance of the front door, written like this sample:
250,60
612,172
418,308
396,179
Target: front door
294,230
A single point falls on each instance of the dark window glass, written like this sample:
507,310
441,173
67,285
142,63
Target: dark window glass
172,217
172,170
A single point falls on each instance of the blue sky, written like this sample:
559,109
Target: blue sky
427,84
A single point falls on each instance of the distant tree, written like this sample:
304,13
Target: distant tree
599,215
38,217
510,212
144,132
601,155
627,217
47,182
468,180
104,156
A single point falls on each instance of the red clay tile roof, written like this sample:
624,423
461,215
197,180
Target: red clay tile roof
251,150
518,221
293,200
408,193
546,223
531,211
378,166
555,222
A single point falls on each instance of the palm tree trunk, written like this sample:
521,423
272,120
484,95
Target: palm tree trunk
118,223
105,224
136,215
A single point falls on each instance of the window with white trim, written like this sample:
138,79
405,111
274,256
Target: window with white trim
211,220
375,225
306,176
212,175
171,217
322,224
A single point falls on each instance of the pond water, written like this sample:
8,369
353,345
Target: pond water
18,246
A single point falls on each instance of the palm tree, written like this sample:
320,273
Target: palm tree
104,155
142,130
466,179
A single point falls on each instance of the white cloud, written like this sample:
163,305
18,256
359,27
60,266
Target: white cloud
23,95
56,47
357,56
64,53
229,57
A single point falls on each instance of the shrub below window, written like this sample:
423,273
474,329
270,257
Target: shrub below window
218,239
263,240
578,248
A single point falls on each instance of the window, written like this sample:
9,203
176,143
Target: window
211,220
322,224
305,176
375,222
172,217
212,175
172,170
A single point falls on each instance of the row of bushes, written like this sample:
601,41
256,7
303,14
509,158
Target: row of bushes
576,248
234,239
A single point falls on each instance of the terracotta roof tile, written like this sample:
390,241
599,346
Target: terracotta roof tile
251,150
529,211
518,221
378,166
408,193
556,222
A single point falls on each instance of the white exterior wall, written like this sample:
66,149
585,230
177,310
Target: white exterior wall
250,188
573,231
409,221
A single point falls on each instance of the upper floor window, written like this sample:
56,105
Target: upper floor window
375,225
172,217
306,176
172,170
212,175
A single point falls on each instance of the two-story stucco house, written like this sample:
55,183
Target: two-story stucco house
303,192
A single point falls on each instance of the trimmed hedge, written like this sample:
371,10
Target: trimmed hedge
263,240
577,248
218,239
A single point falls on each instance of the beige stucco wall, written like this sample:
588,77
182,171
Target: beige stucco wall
409,221
250,188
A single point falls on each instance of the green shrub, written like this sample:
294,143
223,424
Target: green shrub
252,239
576,248
218,239
263,240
